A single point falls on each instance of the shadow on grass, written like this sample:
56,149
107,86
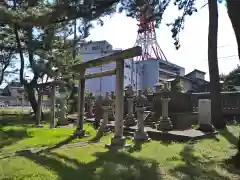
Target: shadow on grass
107,166
229,136
17,120
9,137
60,144
137,146
195,167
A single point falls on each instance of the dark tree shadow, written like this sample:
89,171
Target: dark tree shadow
195,168
137,146
229,136
9,137
16,120
107,166
60,144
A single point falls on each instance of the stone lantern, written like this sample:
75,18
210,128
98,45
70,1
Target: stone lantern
141,102
159,87
130,119
165,123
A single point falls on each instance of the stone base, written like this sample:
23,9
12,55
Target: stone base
141,136
63,122
89,115
130,121
79,133
117,143
52,126
206,128
165,124
38,125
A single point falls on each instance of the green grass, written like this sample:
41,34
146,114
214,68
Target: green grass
199,160
18,132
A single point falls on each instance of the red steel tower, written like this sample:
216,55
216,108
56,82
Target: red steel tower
146,37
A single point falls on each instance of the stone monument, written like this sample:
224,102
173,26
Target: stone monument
165,123
112,114
90,104
204,115
130,119
98,111
103,126
140,134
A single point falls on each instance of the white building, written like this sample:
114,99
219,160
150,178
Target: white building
96,49
140,74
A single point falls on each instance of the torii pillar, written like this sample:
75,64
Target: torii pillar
118,139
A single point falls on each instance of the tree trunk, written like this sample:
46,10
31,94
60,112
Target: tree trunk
233,7
216,109
32,99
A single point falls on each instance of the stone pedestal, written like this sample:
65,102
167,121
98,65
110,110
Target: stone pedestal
130,119
140,134
165,123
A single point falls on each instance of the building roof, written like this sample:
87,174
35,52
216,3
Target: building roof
195,70
94,42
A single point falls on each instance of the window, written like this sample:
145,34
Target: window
94,48
127,66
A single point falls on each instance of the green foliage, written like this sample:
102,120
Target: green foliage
187,7
132,8
176,85
232,79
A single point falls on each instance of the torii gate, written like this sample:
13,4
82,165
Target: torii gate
80,69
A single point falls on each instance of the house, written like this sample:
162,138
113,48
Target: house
13,89
195,82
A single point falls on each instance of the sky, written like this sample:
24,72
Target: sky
121,32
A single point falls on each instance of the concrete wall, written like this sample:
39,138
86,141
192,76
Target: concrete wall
150,73
200,75
196,75
186,84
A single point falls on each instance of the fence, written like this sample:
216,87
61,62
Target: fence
230,101
188,102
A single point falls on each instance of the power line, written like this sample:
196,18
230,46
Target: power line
226,45
230,57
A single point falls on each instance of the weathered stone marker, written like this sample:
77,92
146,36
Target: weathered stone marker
140,134
130,119
204,115
90,103
103,126
98,111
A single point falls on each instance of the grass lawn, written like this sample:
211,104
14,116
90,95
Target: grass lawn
203,160
18,132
